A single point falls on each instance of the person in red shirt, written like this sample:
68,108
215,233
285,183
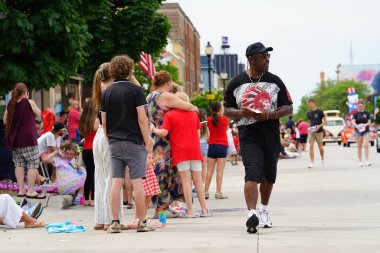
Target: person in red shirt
217,149
183,127
302,127
73,119
88,126
48,120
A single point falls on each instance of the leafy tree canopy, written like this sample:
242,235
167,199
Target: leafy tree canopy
42,43
200,100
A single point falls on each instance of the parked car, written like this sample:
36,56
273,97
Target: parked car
348,135
333,128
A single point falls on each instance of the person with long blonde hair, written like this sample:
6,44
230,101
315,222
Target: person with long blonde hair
103,217
21,138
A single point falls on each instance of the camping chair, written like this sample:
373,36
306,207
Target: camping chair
44,169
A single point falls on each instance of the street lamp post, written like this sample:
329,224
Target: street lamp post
338,72
209,51
224,76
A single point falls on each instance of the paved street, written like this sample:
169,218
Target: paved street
331,209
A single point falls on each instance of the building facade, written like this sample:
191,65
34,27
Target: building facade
228,63
205,85
185,43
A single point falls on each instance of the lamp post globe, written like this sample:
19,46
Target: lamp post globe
224,77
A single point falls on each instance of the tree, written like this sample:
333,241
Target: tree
126,27
332,97
200,100
42,42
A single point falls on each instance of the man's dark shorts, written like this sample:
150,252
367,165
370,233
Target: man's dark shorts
260,161
125,153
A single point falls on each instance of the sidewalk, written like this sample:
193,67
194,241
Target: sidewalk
331,209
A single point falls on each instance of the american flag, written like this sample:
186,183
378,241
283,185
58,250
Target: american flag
147,64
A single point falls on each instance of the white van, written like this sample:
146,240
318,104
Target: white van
334,127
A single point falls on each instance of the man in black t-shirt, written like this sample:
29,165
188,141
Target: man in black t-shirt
317,121
256,99
125,125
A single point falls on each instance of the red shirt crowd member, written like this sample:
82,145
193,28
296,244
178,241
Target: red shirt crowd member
73,119
217,149
48,120
183,127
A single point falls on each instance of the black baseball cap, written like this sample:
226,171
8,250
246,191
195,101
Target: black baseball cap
58,126
257,48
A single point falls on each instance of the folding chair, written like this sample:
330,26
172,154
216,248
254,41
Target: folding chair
44,169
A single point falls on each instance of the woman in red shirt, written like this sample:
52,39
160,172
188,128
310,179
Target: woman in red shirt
88,125
217,149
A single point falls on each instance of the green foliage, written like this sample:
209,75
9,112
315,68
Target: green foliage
143,79
199,99
332,97
173,70
42,43
126,27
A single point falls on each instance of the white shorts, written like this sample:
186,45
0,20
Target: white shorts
194,165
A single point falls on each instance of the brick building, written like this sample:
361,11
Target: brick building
185,45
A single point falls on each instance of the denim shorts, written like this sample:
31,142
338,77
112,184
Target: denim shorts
216,151
204,148
361,134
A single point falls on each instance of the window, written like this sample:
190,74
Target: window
335,123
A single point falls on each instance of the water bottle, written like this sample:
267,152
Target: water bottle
162,217
44,189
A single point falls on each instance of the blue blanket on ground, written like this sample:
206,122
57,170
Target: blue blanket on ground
65,227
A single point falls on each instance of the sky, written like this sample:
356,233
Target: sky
308,36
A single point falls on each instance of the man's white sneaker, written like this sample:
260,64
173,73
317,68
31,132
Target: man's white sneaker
252,221
368,164
311,166
361,164
323,163
265,221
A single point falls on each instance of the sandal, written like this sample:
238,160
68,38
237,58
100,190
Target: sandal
35,196
208,214
99,227
220,196
128,205
186,215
